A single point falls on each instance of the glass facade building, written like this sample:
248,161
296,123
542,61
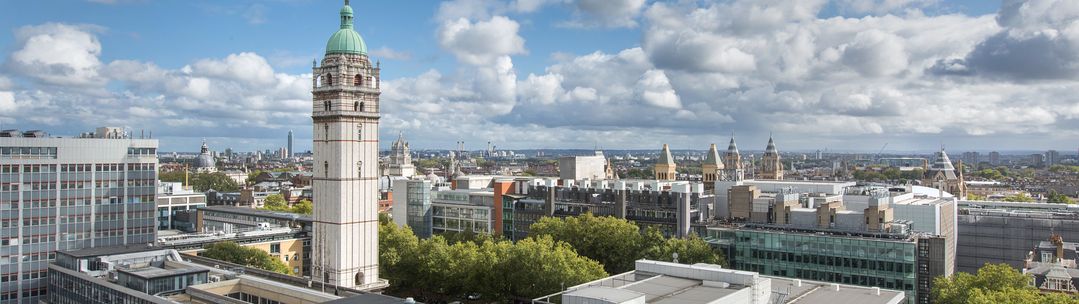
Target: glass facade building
877,262
70,193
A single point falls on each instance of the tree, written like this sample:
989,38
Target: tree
618,243
613,242
303,207
1019,197
438,270
994,283
1057,198
234,253
992,174
276,202
975,197
201,181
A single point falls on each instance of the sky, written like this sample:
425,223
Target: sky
522,74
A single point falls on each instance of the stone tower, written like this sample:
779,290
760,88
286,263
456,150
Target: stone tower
400,163
711,168
665,166
732,161
771,164
345,183
944,176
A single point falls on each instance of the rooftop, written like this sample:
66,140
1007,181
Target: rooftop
668,283
258,212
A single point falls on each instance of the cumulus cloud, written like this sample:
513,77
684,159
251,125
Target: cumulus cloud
481,42
58,54
388,53
882,6
1038,39
606,13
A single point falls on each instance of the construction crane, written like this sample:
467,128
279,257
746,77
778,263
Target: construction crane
877,158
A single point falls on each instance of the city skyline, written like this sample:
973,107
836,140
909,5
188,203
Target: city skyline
842,75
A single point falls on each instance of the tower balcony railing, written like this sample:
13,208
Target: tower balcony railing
350,88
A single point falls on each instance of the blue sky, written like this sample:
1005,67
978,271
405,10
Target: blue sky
843,74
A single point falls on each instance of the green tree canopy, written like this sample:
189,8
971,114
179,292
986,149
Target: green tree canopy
1057,198
1019,197
202,181
618,243
234,253
993,284
275,202
438,270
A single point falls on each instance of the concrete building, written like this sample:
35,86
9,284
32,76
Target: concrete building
665,168
150,275
994,158
400,162
345,115
291,245
905,239
1052,157
771,164
664,282
582,167
1003,232
94,190
173,198
712,168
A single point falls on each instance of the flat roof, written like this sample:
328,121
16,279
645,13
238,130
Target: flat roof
258,212
110,250
158,272
369,298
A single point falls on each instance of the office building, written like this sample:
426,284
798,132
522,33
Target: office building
400,162
971,157
152,275
1052,157
994,158
93,190
289,150
664,282
412,205
173,198
1037,160
869,236
583,167
345,117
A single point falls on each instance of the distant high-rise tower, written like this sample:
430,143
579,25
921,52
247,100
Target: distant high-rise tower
290,151
771,164
732,162
665,166
994,158
345,145
712,168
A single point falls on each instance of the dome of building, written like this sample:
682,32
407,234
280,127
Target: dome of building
346,40
205,160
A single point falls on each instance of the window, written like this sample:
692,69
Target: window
329,79
359,169
326,168
358,81
359,279
356,106
275,248
326,131
326,105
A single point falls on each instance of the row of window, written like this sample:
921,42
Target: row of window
28,152
141,151
327,80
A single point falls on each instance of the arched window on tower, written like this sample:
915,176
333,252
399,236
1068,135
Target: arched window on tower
359,132
361,106
356,106
326,169
358,81
359,169
326,105
329,79
326,132
359,279
318,81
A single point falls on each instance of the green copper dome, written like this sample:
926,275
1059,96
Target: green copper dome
346,40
